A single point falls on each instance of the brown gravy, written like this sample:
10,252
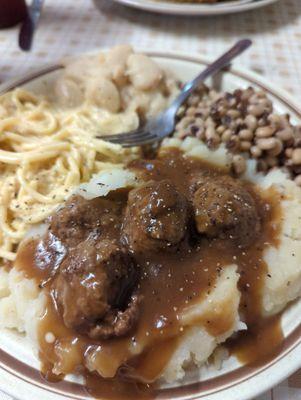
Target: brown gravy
169,282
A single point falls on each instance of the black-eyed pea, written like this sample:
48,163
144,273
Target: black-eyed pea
178,126
297,131
239,165
284,121
251,122
212,138
288,163
190,112
297,142
264,132
277,149
221,129
288,152
247,93
256,109
296,157
261,94
210,133
246,134
266,143
233,113
233,143
182,134
297,180
181,111
201,134
209,122
193,129
285,134
213,95
199,121
262,122
266,103
185,122
245,145
254,99
274,120
226,136
255,151
297,169
193,100
262,166
205,113
271,161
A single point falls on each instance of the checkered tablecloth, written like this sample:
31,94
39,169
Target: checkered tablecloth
68,27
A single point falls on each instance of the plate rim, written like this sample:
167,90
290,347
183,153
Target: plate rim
290,103
169,8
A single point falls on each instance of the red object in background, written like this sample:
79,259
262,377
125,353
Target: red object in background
12,12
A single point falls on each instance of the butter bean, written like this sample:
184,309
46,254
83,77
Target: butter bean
143,72
105,94
68,92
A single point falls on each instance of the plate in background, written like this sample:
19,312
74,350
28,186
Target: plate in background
170,7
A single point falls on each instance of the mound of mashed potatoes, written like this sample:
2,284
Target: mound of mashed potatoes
282,284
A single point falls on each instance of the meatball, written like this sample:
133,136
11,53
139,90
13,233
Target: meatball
94,289
156,217
225,208
80,218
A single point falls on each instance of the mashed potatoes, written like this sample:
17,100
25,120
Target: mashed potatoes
21,301
283,281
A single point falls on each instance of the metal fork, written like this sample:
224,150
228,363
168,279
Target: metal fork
163,125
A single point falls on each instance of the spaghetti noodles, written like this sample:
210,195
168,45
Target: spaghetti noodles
45,153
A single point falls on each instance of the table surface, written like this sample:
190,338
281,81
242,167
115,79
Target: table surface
70,27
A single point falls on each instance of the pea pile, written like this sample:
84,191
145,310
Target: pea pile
245,122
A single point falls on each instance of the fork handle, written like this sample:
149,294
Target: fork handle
212,69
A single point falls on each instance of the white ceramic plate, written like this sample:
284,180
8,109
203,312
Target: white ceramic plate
19,369
170,7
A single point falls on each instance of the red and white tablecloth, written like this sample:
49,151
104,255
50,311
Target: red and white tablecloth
68,27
